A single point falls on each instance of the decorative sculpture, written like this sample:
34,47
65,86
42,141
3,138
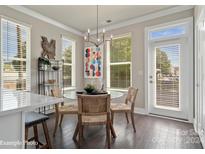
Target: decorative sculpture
48,48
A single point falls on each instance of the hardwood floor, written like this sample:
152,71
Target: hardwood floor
151,133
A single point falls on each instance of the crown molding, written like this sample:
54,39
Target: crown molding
146,17
108,28
44,18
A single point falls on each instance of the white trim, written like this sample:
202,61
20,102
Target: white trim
44,18
140,111
69,88
108,64
116,89
171,23
111,27
170,118
143,111
128,34
120,63
147,17
195,125
73,62
202,137
199,74
21,23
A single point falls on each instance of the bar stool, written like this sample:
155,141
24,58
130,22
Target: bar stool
32,119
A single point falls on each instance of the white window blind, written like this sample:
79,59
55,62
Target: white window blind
15,56
120,63
168,75
68,48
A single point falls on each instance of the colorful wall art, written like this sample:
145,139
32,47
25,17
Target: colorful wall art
93,62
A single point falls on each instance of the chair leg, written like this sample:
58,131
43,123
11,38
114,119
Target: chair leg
45,129
80,135
112,130
83,133
127,117
26,137
76,132
56,125
133,121
61,120
35,130
108,134
112,117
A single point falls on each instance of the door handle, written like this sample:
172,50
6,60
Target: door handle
150,81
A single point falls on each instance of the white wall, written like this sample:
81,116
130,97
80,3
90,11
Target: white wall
199,122
40,28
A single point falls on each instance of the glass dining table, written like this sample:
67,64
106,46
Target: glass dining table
71,94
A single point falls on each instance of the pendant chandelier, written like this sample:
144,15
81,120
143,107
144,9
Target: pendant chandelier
100,37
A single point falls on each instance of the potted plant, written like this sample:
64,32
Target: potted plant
44,63
89,89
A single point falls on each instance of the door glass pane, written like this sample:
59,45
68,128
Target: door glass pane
167,76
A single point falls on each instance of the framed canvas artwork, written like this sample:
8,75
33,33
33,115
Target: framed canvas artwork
93,62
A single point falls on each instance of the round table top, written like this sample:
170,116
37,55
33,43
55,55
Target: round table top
71,94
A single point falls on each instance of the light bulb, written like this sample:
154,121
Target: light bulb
88,30
111,36
103,30
98,40
85,37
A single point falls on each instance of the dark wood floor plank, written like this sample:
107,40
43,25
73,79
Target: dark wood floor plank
151,133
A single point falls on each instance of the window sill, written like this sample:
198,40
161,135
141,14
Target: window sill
70,88
115,89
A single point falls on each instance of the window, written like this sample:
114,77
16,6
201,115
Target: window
68,47
15,56
167,32
119,57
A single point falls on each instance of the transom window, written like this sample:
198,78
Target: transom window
68,49
15,55
173,31
119,57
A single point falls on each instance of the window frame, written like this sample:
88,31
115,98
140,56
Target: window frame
72,64
28,49
109,64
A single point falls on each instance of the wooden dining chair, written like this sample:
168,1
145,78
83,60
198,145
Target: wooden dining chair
127,107
62,108
93,110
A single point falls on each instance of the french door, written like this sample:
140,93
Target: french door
168,78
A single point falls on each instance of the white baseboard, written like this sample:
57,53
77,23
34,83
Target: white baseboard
140,110
200,132
202,137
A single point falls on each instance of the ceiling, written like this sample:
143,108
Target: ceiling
83,17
